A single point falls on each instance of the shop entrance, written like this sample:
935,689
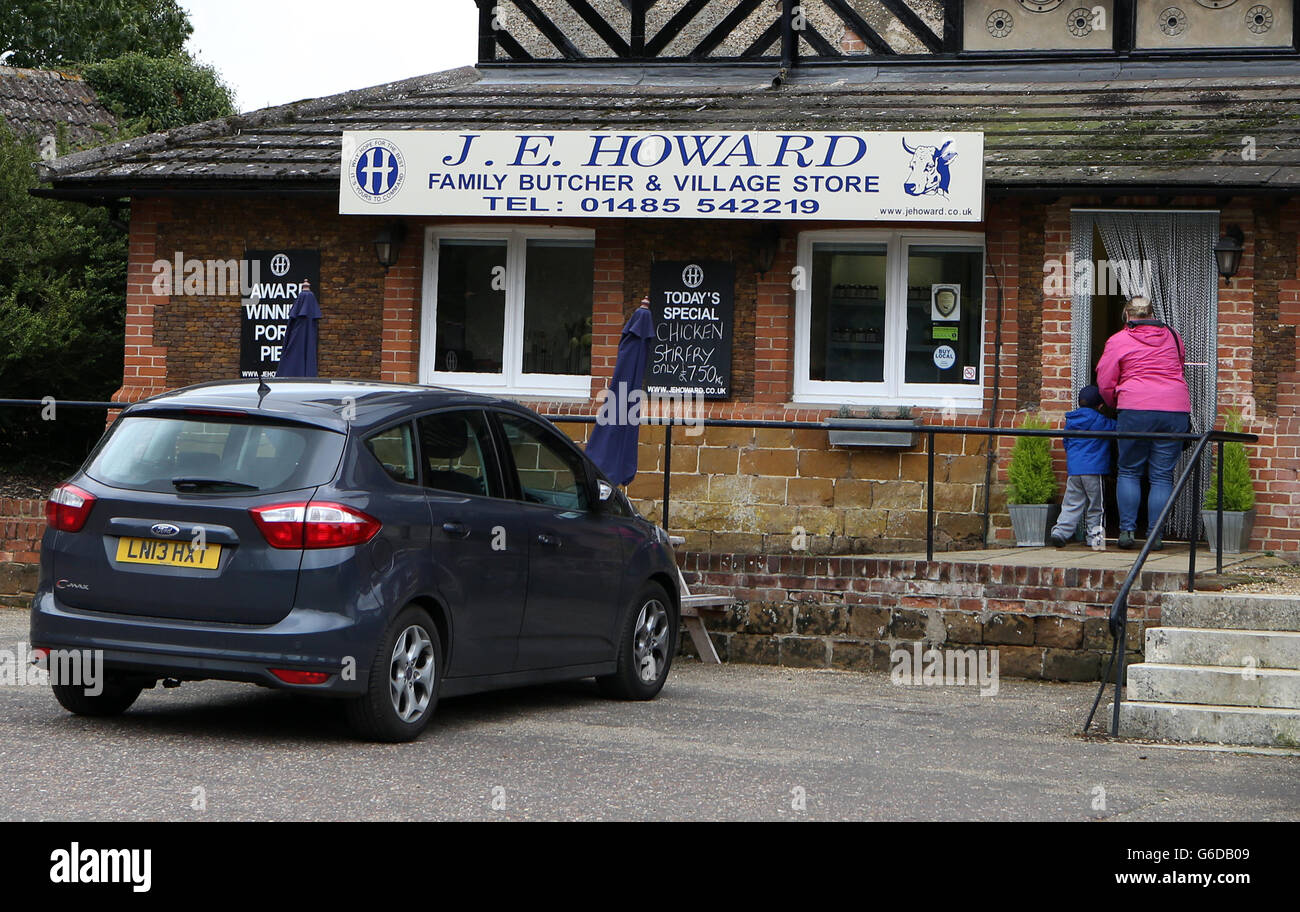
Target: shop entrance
1169,257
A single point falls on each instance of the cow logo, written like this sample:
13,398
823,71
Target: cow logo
279,265
929,173
164,529
378,171
693,276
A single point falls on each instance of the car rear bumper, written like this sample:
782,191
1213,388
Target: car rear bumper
305,640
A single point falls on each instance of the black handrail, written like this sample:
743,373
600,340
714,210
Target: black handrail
1118,621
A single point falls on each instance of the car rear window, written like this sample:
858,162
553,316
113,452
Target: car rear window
148,453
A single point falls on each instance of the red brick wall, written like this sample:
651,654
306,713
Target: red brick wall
372,329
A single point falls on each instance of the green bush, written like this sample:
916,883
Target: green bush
1238,489
159,93
1032,480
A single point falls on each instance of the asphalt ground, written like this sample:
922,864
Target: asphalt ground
736,742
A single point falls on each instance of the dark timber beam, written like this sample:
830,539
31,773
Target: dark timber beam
859,25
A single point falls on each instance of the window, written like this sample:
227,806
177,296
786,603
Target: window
395,450
147,453
509,310
454,450
549,471
890,318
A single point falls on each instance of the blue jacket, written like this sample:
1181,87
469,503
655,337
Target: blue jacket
1084,456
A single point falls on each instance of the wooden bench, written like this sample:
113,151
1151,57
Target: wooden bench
695,608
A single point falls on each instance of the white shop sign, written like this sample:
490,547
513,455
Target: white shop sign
895,177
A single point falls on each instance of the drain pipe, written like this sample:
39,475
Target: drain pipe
993,418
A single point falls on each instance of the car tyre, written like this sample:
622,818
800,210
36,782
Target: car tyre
402,688
647,643
116,697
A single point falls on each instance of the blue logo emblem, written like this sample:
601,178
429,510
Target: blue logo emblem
378,171
929,172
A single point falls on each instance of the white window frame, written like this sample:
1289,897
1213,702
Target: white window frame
893,391
512,380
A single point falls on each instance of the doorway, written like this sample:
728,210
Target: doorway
1169,257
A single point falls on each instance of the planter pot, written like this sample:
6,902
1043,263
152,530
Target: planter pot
1237,528
1032,523
862,432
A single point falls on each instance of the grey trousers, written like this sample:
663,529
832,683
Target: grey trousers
1082,493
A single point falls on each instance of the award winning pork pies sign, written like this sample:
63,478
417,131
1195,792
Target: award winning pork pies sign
921,176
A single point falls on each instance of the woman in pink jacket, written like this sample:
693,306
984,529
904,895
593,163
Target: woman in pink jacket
1141,375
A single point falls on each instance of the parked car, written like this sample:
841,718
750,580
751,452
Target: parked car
382,543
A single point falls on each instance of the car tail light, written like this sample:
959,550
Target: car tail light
290,676
68,508
314,525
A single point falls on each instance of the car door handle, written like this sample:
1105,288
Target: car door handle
550,541
457,529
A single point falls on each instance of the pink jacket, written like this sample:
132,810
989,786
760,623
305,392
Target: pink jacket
1142,368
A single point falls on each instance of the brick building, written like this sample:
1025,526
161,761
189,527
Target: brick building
1155,136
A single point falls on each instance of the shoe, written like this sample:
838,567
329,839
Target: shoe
1059,542
1157,543
1126,540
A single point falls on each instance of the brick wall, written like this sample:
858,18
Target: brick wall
747,492
22,523
850,612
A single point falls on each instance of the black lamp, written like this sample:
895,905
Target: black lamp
388,244
1227,252
769,242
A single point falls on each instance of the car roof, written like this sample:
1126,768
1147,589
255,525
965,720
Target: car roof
317,402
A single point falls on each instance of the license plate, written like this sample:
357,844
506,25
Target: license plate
167,553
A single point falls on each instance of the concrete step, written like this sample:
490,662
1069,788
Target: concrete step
1227,648
1242,725
1213,686
1232,611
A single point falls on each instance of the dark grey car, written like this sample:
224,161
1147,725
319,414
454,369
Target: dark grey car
382,543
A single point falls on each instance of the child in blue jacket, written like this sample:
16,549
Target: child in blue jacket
1086,461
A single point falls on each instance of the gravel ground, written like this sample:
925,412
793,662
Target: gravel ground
736,742
1280,580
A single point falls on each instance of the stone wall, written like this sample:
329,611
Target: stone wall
850,612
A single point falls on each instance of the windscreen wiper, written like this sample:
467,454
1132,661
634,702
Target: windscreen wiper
187,482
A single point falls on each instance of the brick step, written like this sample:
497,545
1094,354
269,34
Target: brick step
1240,725
1226,648
1235,612
1213,686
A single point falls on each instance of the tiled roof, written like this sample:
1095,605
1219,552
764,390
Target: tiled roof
1097,125
38,102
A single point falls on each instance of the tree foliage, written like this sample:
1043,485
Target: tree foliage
1238,487
159,93
52,34
1030,475
62,294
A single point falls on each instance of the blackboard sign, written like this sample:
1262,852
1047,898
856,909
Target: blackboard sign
276,276
693,304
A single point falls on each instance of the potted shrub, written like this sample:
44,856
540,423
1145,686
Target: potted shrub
847,430
1238,495
1031,487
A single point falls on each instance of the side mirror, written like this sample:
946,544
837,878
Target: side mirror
605,490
